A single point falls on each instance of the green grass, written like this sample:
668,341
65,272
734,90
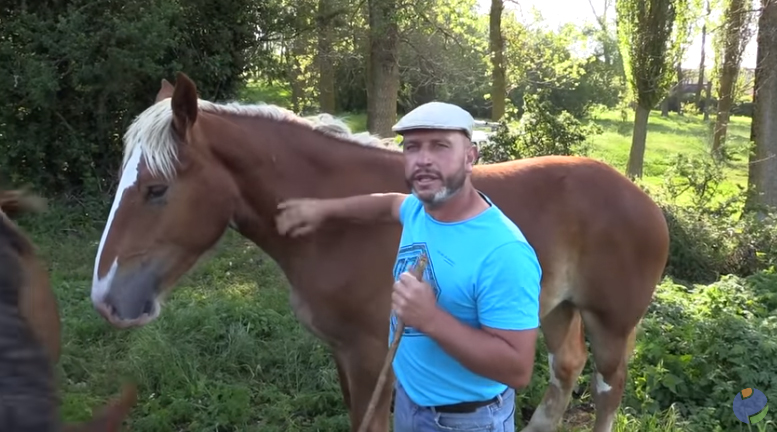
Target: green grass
255,91
228,355
668,136
225,355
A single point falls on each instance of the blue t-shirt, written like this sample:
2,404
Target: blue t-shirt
483,272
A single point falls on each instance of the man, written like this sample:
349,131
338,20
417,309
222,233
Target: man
471,325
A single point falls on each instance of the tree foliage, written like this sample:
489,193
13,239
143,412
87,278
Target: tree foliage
73,74
651,34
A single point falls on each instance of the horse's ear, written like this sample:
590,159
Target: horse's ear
165,90
184,103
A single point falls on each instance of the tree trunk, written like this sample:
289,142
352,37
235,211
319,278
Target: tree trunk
384,69
725,102
603,30
326,75
295,75
708,101
762,176
637,153
701,63
700,83
498,79
735,19
364,47
679,92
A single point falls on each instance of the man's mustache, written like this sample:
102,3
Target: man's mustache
426,173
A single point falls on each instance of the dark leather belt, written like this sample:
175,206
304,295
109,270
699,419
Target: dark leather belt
464,407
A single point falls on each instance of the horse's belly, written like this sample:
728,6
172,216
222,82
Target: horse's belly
308,319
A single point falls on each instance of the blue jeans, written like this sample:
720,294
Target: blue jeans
499,416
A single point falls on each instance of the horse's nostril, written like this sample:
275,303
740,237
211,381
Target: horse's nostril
148,306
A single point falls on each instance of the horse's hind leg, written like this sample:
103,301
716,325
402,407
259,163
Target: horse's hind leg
611,347
564,337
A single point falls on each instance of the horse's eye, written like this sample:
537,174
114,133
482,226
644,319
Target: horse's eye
156,191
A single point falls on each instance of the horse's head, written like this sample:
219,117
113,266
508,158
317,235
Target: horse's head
23,276
173,203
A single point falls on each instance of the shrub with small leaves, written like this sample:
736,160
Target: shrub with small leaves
710,234
700,345
539,132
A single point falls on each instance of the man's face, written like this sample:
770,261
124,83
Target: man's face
437,163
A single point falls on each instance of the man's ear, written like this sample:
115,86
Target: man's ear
473,154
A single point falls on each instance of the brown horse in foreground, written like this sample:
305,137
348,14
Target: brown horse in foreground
30,336
192,169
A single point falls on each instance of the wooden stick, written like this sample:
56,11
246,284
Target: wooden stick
418,272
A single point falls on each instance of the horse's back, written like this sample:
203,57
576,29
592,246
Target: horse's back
569,192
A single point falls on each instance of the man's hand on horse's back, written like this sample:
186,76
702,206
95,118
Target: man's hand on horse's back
299,217
302,216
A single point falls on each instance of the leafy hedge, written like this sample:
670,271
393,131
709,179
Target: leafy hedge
74,73
700,345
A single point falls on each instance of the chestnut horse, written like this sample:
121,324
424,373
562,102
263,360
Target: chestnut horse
193,168
30,336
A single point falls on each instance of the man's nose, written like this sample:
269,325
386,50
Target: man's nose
424,158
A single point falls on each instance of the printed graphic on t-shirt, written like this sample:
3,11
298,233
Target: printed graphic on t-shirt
407,258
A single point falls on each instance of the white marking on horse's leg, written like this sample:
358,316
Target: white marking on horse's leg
601,386
128,179
553,380
609,418
542,418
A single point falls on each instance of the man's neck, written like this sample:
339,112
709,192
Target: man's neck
464,205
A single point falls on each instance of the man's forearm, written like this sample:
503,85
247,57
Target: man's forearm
363,208
478,350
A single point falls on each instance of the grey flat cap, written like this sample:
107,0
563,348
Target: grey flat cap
436,115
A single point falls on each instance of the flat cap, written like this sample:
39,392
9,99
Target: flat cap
436,115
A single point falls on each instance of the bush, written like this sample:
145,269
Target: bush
710,235
539,132
700,345
73,75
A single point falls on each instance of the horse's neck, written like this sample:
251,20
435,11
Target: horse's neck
283,161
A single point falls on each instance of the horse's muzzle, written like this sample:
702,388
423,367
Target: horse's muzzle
131,299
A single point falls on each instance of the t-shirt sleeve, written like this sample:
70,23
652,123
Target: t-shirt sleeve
508,288
407,206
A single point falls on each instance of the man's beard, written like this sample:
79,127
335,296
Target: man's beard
450,187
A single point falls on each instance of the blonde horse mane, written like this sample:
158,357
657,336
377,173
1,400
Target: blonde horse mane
151,130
